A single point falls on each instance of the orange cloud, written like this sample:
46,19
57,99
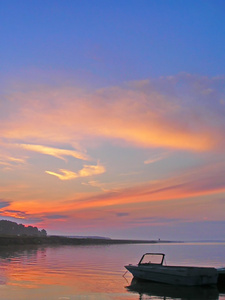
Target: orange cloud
12,214
196,183
17,160
138,115
184,197
67,175
97,184
59,153
10,161
180,187
88,170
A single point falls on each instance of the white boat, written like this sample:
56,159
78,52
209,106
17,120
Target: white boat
151,268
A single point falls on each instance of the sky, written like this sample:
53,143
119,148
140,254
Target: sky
112,117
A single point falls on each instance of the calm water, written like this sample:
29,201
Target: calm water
96,272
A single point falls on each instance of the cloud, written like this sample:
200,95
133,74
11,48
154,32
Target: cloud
16,160
55,216
5,164
88,170
15,187
196,182
157,220
132,123
97,184
176,112
59,153
14,214
11,162
4,203
66,174
176,195
155,158
122,214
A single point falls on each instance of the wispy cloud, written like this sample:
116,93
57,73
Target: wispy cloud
16,160
15,187
11,162
88,170
3,163
122,126
157,220
195,183
55,216
66,174
59,153
155,158
147,115
13,214
4,203
152,202
96,184
122,214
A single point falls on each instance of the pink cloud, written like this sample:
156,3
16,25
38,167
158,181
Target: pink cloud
86,171
59,153
141,115
183,113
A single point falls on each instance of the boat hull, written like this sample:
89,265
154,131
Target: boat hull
176,275
221,276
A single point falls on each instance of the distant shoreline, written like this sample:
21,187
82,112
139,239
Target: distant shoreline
61,240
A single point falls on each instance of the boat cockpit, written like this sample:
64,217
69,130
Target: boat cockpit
152,259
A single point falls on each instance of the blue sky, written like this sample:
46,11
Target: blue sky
112,117
113,40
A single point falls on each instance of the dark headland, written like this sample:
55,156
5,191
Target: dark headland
12,233
61,240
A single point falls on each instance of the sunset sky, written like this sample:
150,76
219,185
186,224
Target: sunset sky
112,117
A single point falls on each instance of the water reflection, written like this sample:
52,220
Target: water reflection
166,291
66,272
13,259
90,273
8,252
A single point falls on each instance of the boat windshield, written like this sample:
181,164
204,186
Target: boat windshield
152,258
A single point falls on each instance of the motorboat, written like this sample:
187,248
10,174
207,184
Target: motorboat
151,267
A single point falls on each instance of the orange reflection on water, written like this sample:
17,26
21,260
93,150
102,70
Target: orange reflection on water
59,272
95,272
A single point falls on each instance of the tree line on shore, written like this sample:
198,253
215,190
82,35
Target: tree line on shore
12,228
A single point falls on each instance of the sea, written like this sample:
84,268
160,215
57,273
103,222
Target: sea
98,273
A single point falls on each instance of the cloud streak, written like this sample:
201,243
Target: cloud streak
144,115
10,162
156,158
161,142
4,203
151,202
88,170
59,153
195,183
66,174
